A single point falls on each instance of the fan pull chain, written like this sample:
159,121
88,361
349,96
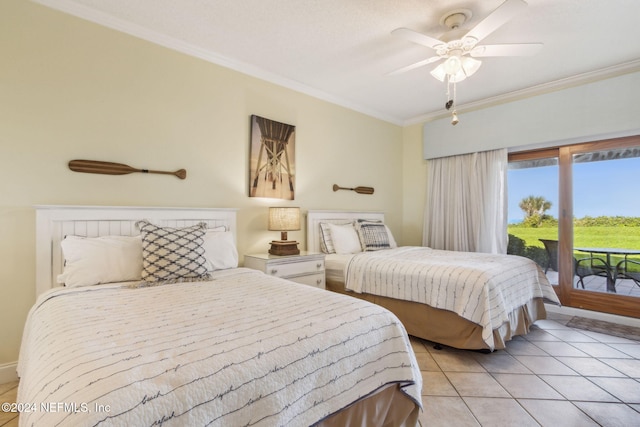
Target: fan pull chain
454,96
451,101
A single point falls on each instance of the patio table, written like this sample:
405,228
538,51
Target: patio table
611,273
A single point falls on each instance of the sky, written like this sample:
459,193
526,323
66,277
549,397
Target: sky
607,188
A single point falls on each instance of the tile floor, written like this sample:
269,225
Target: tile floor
555,376
8,393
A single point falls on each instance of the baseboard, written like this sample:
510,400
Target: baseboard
597,315
8,372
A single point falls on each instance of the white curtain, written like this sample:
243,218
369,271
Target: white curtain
466,206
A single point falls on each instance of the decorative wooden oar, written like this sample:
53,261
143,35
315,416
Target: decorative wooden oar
110,168
359,190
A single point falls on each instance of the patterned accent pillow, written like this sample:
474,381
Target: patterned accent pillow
326,243
173,254
373,235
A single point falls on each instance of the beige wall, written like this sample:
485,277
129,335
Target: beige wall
71,89
414,179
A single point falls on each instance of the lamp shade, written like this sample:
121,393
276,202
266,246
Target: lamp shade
284,219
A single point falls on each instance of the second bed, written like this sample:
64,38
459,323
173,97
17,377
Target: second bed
464,300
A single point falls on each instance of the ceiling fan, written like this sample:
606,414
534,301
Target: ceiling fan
459,49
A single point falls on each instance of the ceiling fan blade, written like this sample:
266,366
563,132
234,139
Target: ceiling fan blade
415,65
515,49
497,18
417,37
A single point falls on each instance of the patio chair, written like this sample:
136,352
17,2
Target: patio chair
628,269
591,266
583,267
551,247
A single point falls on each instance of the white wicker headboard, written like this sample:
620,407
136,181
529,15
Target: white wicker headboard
314,218
53,223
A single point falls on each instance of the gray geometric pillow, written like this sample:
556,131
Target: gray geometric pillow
173,254
373,235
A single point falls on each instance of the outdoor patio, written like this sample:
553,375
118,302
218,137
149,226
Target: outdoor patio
599,284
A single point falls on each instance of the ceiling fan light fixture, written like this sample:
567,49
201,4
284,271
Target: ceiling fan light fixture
452,65
439,73
458,47
457,69
470,65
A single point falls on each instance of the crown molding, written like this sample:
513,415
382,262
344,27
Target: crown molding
556,85
80,11
103,19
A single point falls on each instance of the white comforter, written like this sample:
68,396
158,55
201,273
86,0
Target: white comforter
482,288
242,349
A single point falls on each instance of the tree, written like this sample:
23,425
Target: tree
533,205
534,208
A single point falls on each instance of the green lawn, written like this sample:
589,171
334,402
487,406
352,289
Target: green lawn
595,237
600,237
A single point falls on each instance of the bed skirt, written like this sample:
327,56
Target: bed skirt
387,407
446,327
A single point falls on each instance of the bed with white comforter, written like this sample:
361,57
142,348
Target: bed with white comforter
241,349
465,300
482,288
157,326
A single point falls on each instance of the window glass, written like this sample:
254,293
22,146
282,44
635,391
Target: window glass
606,224
533,212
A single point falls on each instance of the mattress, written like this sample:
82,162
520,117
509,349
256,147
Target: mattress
336,266
484,289
243,348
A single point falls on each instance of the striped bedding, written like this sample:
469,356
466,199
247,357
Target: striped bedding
482,288
243,349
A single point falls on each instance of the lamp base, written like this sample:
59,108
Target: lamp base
284,247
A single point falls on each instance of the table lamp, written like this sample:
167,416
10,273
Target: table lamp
283,220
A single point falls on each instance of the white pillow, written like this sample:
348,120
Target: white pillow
326,245
220,250
345,239
106,259
392,241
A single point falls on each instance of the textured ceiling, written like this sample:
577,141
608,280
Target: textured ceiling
342,50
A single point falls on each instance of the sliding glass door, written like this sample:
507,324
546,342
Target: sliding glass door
606,210
593,210
533,209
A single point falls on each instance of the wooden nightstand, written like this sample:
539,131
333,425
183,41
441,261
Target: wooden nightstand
306,268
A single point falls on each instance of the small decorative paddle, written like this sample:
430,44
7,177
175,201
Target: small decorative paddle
359,190
110,168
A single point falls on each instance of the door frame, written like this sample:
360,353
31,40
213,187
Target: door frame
567,293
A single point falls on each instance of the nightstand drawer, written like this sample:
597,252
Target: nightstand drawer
295,268
315,280
306,268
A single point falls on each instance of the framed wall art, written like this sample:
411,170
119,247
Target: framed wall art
272,159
